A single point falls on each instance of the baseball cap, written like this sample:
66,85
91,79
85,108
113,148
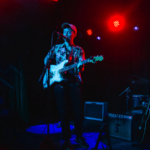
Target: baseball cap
73,27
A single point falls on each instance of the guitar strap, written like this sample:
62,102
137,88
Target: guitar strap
70,59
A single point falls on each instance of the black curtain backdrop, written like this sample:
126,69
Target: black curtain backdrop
18,99
26,31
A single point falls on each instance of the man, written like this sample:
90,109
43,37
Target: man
68,92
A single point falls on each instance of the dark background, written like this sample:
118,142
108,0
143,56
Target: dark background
26,28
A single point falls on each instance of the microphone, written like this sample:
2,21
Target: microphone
64,37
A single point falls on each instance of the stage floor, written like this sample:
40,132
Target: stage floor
91,133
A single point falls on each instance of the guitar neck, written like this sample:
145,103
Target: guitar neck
73,66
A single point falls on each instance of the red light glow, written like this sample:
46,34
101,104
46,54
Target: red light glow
49,0
116,23
89,32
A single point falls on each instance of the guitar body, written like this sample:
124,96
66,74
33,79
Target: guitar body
54,71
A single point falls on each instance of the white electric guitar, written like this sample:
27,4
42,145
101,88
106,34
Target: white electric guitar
56,70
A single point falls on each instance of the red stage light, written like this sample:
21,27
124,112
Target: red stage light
49,0
89,32
116,23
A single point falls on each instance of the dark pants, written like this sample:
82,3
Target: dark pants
69,96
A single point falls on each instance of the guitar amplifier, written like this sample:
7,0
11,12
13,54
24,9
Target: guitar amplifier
122,126
95,110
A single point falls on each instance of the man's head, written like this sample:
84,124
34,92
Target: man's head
69,30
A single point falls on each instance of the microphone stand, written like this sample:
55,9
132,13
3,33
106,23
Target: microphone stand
127,90
47,66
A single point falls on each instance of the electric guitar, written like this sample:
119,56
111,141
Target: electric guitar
143,123
56,70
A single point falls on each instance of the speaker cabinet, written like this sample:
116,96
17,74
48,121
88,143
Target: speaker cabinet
122,126
95,110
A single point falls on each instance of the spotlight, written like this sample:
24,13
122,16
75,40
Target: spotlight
98,38
89,32
116,22
136,28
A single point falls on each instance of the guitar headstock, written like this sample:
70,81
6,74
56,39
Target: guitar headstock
94,59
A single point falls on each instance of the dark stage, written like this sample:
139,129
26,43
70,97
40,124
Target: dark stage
35,137
116,29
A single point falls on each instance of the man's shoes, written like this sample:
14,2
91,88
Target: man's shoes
67,145
81,141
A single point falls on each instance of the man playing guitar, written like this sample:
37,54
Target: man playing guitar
67,85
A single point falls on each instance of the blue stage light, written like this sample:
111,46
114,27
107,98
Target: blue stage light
136,28
42,129
98,38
